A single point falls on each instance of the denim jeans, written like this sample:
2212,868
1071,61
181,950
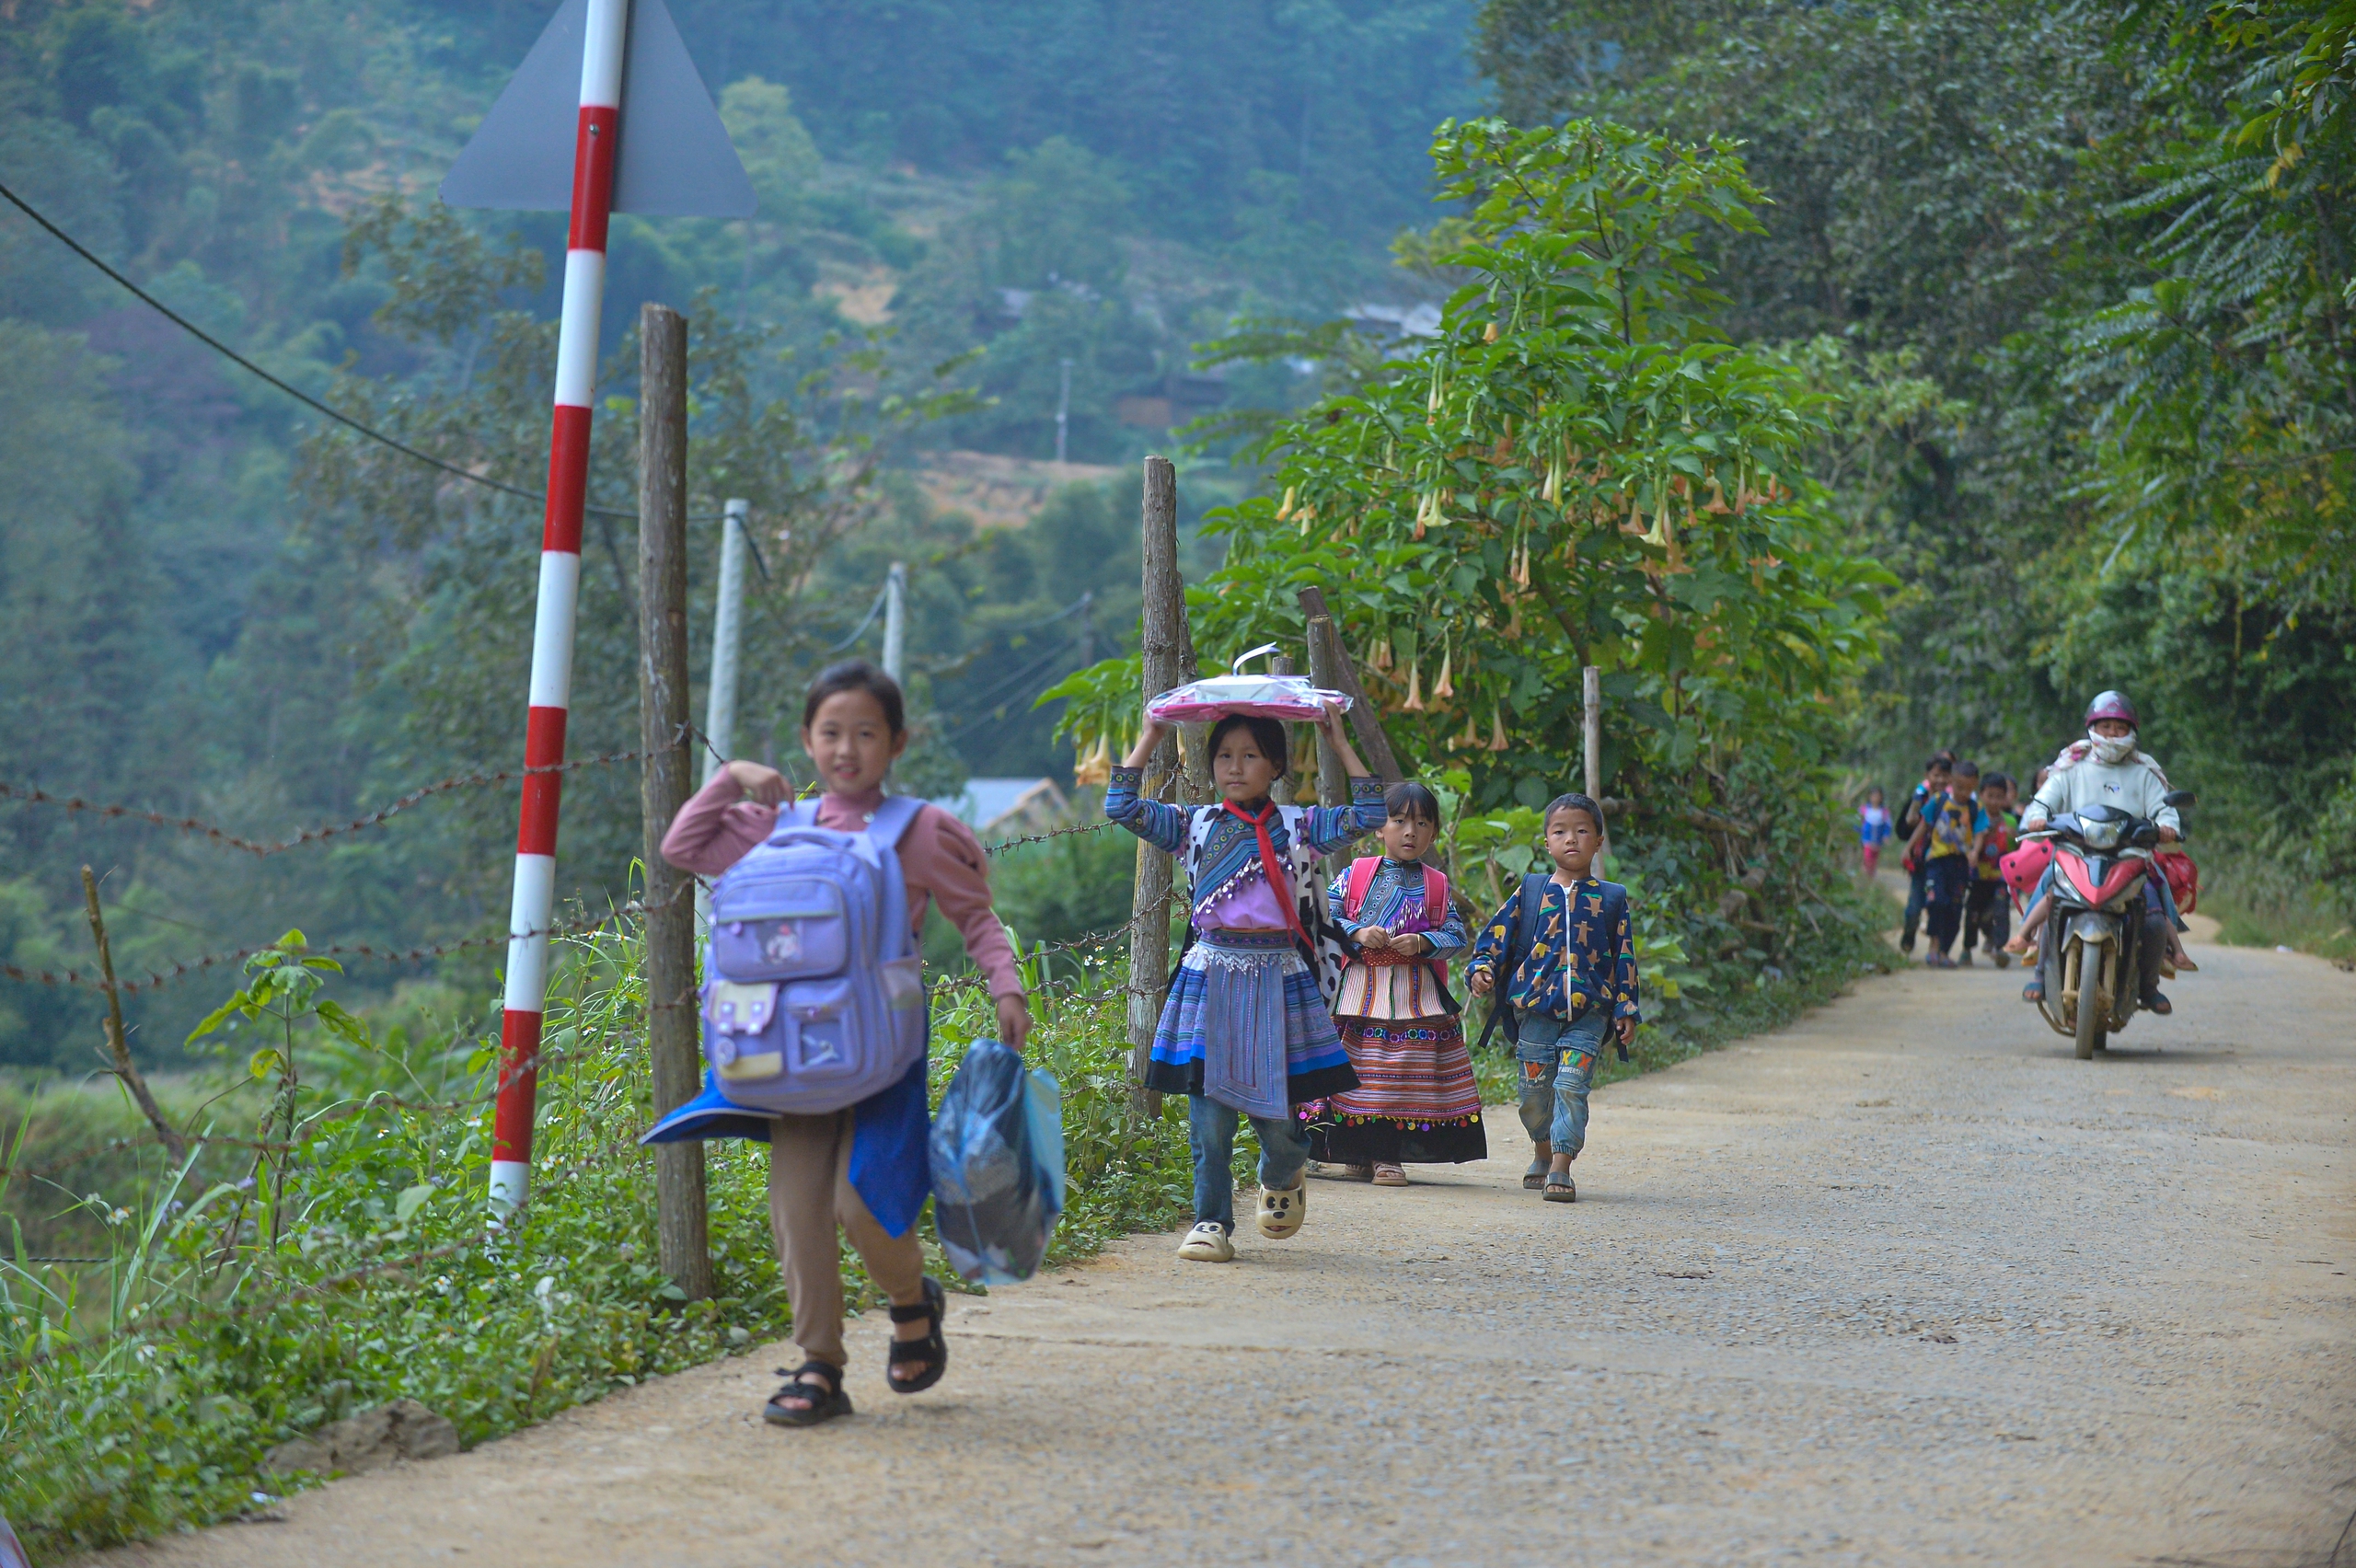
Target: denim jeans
1918,890
1557,1060
1210,1128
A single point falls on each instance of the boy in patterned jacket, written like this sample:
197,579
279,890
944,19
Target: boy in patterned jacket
1564,951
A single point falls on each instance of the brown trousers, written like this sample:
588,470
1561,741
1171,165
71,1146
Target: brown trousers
810,1194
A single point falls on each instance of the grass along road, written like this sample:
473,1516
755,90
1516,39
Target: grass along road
1901,1284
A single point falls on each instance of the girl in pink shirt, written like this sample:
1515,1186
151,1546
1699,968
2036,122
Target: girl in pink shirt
862,1167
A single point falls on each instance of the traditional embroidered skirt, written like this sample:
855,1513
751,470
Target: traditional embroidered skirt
1245,1026
1415,1102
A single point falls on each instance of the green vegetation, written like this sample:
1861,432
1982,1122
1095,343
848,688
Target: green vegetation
2109,251
339,1259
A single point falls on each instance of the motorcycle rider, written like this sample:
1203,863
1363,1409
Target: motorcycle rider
2106,769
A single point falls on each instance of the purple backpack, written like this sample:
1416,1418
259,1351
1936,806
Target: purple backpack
813,993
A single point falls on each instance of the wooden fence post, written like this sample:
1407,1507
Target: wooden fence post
1165,645
680,1217
1373,744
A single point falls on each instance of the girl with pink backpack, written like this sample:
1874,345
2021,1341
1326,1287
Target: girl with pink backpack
812,994
1417,1103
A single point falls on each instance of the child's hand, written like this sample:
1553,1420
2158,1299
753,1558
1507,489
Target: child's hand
1147,738
1375,937
1627,1028
1479,980
1013,1022
761,783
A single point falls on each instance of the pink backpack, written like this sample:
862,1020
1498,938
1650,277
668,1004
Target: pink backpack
1433,915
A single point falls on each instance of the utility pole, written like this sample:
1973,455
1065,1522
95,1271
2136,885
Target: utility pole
1063,411
1165,633
727,630
895,622
680,1205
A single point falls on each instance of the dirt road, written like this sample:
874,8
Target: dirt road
1904,1284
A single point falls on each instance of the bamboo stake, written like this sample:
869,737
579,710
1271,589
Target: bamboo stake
118,1044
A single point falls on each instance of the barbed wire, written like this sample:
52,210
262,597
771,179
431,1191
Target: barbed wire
74,804
1004,844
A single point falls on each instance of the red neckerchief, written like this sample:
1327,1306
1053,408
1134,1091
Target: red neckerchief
1270,867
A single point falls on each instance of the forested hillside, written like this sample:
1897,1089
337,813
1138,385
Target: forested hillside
215,609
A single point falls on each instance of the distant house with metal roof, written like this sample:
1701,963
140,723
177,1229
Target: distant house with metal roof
1004,808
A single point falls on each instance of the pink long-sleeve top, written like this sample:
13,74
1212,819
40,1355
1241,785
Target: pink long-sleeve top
940,862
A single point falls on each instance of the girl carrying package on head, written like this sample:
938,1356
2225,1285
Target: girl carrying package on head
1246,1032
863,1167
1417,1103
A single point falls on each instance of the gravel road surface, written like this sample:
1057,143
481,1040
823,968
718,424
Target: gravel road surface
1903,1283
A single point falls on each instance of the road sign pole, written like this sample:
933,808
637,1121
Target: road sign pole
596,142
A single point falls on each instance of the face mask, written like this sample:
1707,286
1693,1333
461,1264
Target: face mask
2112,749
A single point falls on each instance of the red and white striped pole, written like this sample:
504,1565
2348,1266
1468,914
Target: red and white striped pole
594,147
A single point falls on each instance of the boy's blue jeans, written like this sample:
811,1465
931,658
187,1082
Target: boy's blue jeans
1558,1057
1210,1128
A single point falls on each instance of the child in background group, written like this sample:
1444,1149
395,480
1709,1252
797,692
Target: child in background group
1417,1103
1872,830
1987,907
1910,827
1947,846
1245,1031
865,1168
1561,955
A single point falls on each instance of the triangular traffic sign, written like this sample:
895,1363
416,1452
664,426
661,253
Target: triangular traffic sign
675,159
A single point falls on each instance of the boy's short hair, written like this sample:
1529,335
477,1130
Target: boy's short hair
1997,781
1574,801
1940,761
1411,800
1967,769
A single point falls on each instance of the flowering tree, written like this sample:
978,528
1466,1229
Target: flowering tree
1577,469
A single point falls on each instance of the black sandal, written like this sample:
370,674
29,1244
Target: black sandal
824,1404
932,1350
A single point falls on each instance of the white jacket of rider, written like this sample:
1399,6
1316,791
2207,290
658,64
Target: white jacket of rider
2080,781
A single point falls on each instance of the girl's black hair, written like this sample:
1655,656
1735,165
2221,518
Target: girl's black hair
1267,733
1574,801
1939,761
857,674
1410,799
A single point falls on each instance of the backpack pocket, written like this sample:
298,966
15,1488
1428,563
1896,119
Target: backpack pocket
819,1017
782,930
742,1036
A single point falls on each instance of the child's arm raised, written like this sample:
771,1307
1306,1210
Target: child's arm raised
1331,827
725,818
1162,825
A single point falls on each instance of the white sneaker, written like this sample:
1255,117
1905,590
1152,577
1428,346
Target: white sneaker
1207,1243
1282,1209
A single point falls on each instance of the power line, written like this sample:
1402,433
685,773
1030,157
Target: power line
242,362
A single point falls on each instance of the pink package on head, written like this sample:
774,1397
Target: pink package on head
1289,698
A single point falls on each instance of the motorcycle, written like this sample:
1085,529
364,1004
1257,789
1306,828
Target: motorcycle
2091,953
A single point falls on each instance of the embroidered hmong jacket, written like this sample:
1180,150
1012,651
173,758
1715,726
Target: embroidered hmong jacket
1394,900
1220,853
1582,955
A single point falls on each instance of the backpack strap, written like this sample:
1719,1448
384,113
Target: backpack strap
894,818
1436,894
1354,892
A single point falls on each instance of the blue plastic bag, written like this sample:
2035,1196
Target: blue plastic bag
998,1165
